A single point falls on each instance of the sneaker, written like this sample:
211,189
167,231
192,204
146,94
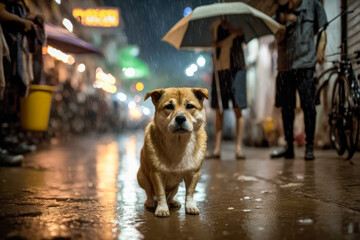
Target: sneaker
7,160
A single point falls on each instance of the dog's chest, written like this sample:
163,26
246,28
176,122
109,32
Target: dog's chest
182,159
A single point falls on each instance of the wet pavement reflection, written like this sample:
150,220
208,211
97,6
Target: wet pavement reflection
87,189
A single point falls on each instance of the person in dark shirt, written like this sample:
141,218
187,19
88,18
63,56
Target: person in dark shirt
297,57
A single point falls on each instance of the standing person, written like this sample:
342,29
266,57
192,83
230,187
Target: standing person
230,64
297,57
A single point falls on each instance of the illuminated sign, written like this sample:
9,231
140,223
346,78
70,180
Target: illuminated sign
97,17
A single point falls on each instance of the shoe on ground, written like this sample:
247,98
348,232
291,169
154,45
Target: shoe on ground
309,153
240,156
19,148
212,156
287,152
7,160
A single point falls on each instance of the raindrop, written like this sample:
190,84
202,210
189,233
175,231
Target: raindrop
261,228
246,198
243,178
90,185
231,208
305,221
257,207
291,185
246,210
225,233
266,191
241,199
258,199
300,177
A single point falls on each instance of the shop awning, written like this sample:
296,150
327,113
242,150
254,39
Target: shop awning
68,42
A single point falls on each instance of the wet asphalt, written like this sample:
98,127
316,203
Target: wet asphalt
86,188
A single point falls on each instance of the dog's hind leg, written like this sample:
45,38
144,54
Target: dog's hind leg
170,198
145,183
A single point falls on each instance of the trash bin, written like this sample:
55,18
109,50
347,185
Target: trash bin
35,109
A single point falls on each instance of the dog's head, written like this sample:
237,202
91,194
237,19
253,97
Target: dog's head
178,110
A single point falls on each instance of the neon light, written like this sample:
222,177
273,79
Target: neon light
97,17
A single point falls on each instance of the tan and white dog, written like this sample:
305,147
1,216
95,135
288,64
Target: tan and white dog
174,148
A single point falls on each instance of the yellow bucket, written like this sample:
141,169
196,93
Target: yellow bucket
35,109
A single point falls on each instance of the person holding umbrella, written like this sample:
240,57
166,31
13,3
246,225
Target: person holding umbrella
243,23
231,70
297,56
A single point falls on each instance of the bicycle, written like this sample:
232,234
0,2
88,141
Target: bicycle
344,116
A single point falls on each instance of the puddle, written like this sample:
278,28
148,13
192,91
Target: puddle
305,221
291,185
243,178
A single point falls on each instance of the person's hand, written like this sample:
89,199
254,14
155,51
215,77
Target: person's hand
28,25
291,17
225,24
320,57
280,34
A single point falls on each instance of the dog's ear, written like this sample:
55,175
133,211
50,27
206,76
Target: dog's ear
201,93
155,95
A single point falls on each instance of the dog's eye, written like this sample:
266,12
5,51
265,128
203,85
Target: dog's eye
169,106
190,106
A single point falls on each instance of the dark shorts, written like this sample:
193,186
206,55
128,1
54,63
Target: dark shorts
288,81
232,87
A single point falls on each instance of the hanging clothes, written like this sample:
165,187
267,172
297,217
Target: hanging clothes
36,40
14,35
4,53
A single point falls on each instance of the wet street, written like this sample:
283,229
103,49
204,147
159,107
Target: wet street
86,188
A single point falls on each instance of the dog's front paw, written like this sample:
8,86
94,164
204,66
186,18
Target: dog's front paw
150,203
162,211
174,204
191,208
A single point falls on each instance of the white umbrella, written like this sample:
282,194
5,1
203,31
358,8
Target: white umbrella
195,30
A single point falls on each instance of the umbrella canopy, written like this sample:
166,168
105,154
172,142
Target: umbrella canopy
195,30
68,42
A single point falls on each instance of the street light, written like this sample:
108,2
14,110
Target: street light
187,11
132,105
193,67
121,96
139,86
81,68
189,72
129,72
201,61
67,23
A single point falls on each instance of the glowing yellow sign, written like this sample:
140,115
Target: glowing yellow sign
97,17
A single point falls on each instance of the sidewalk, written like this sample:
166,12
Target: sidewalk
87,189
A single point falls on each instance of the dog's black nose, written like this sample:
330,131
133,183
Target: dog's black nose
180,119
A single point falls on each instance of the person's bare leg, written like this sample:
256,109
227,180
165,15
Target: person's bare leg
240,123
218,131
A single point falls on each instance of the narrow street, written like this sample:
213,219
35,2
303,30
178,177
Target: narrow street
86,188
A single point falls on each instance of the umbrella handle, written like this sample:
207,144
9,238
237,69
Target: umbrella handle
217,82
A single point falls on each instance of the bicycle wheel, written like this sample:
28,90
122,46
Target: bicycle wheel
353,136
336,119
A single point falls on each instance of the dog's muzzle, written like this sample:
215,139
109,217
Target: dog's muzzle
180,124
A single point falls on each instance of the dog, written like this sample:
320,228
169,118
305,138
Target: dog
174,148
